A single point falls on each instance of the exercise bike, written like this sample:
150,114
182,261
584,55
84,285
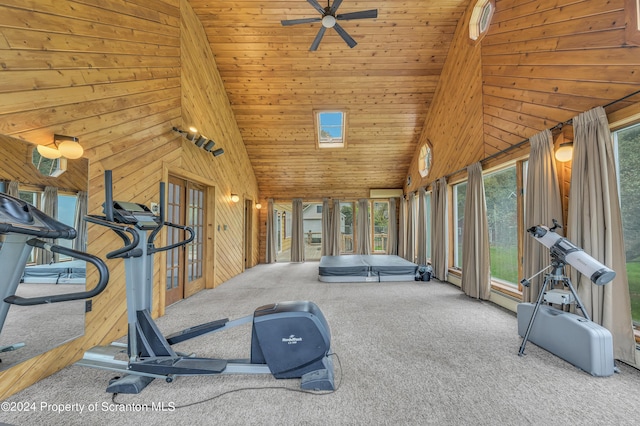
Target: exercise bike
288,339
21,224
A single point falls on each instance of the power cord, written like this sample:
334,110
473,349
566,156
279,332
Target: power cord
310,392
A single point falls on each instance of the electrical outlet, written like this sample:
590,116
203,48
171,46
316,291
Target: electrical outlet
88,305
155,208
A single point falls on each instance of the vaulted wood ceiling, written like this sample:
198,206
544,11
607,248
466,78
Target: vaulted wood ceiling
274,83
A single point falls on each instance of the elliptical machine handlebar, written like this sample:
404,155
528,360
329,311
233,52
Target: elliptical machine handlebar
129,249
153,234
103,271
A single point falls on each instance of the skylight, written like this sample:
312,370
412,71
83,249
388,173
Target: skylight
330,129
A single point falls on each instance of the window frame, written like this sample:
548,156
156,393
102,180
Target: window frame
478,16
317,117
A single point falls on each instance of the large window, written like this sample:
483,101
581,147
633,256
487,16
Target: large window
459,199
626,142
312,227
427,209
66,213
502,215
380,225
347,211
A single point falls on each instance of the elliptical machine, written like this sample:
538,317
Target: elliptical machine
288,339
21,224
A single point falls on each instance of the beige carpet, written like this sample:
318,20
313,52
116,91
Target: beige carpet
411,353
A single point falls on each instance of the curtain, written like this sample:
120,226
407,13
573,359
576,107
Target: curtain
336,228
439,246
270,256
410,250
50,208
13,189
325,248
542,205
476,267
595,225
80,243
297,232
422,228
392,240
402,228
363,234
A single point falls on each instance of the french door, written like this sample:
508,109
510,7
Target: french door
186,205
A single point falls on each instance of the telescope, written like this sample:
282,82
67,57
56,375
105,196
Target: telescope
568,253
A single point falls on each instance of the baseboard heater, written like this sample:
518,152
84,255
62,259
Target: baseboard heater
575,339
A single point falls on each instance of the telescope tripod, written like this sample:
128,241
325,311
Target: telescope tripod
550,279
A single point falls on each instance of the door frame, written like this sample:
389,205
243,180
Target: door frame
211,279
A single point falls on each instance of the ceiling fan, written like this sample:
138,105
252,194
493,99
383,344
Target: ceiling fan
329,20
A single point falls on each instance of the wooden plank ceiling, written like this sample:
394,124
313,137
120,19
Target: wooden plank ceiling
274,83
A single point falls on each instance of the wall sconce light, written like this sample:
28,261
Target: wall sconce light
199,140
564,152
191,134
62,146
258,206
235,198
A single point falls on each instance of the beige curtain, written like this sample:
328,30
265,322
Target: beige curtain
402,228
13,189
421,234
297,232
270,256
50,208
80,243
410,250
542,204
439,242
364,239
476,271
325,248
595,225
336,228
392,240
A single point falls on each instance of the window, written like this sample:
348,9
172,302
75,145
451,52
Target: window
66,214
312,228
330,129
427,210
480,19
380,226
626,143
501,190
424,160
346,227
459,199
48,167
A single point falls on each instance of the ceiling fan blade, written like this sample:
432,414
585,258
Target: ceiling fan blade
316,6
299,21
334,7
346,37
316,41
365,14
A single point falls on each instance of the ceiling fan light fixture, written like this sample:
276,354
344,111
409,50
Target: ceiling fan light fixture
328,21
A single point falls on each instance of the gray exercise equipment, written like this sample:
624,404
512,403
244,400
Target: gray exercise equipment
288,339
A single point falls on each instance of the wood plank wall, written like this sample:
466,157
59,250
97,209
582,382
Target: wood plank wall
542,62
109,72
454,122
